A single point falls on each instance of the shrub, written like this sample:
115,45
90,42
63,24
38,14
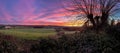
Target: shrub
114,32
7,47
87,42
45,46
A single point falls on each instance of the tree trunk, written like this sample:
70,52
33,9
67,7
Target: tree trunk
97,21
90,17
104,20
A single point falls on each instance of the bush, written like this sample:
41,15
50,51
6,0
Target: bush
7,47
87,42
45,46
114,32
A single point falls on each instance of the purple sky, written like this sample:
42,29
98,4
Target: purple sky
47,12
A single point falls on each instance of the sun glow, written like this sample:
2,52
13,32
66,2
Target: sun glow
75,23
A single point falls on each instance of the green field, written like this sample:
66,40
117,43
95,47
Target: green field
30,33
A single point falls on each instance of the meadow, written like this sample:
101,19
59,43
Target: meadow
31,33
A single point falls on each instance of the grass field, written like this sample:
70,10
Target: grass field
29,33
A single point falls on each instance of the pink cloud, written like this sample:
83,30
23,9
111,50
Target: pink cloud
25,14
5,14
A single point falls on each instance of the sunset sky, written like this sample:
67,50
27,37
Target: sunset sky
32,12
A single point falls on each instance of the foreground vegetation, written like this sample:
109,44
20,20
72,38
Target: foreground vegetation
88,41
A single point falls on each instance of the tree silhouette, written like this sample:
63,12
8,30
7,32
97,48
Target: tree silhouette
96,11
85,6
107,8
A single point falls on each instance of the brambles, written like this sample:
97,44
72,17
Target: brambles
7,47
87,42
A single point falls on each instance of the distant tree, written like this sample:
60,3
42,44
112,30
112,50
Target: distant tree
1,27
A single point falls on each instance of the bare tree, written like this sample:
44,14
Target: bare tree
87,7
96,11
107,8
